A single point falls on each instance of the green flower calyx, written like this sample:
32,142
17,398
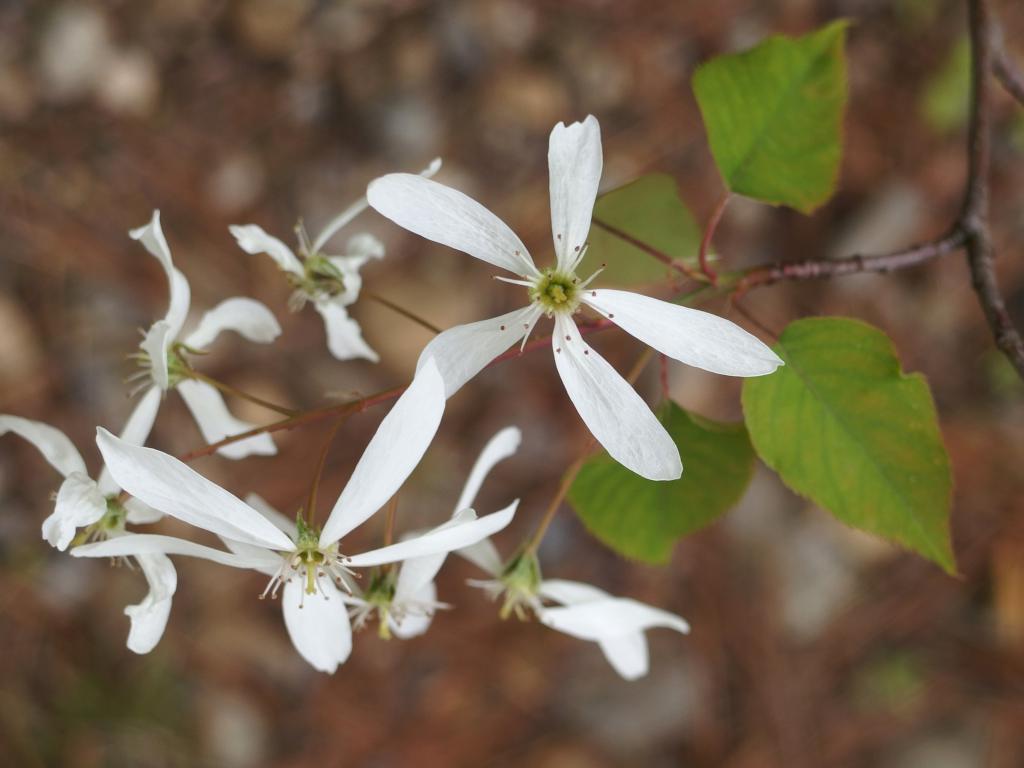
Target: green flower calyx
556,292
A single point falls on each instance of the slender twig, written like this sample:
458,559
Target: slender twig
974,219
650,250
321,463
569,476
229,390
403,312
1008,74
709,232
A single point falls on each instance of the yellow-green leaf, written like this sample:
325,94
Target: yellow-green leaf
774,115
843,426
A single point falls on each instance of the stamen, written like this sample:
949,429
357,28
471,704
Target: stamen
526,283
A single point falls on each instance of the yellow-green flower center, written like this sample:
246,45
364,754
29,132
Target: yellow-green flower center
556,291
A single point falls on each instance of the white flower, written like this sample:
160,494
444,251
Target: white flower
96,507
611,409
306,565
405,601
616,624
329,283
165,350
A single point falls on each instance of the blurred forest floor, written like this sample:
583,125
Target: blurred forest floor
811,646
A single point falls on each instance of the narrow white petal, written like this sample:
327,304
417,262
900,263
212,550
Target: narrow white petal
362,247
444,539
169,485
418,572
627,654
140,513
338,222
484,555
571,592
79,503
55,446
500,447
262,506
700,339
417,620
253,239
394,451
612,410
449,217
344,336
465,350
317,624
249,318
136,431
216,422
181,298
151,235
574,165
612,617
149,617
135,544
155,344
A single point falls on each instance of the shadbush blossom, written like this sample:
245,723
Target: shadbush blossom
165,350
615,414
329,283
94,510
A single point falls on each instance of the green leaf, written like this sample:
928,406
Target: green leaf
844,427
774,117
649,210
642,518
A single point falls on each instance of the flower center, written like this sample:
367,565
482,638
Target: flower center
178,367
109,525
320,280
379,599
310,562
556,291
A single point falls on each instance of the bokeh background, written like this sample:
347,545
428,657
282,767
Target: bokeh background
812,645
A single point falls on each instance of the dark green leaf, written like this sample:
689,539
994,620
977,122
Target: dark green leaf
643,518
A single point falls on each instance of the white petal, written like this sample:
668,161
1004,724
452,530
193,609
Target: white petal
615,414
155,344
151,235
169,485
216,422
338,222
449,217
262,506
500,447
181,297
79,503
149,617
416,573
417,620
574,165
627,654
612,617
344,336
483,555
135,544
140,513
136,431
394,451
249,318
318,625
444,539
253,239
465,350
571,592
362,247
690,336
55,446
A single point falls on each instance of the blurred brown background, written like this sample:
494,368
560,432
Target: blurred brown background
811,645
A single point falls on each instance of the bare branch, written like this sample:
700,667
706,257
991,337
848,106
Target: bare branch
1008,74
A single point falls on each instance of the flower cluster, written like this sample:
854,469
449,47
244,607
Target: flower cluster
324,586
